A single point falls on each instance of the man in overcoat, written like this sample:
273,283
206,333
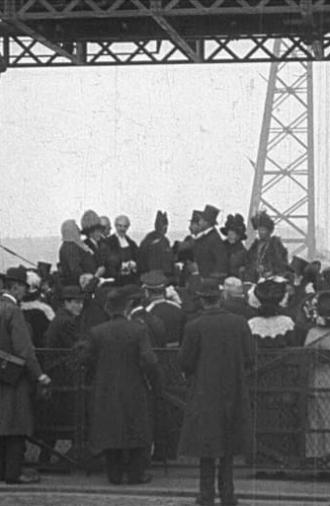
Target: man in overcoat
16,417
209,250
216,349
120,353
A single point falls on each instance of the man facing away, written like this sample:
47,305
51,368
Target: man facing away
216,348
16,416
120,354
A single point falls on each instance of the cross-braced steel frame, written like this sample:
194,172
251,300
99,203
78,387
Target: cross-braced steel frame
285,161
126,32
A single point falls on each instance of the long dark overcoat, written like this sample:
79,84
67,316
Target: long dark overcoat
16,416
216,348
121,354
211,255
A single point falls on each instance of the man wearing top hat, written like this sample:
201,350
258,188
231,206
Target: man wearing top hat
210,253
155,251
16,416
217,347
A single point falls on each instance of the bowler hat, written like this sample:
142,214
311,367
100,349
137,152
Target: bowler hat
153,280
323,304
72,292
210,214
209,287
17,274
90,221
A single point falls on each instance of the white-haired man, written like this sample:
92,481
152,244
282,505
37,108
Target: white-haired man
123,252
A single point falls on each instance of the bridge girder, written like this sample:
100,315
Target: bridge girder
126,32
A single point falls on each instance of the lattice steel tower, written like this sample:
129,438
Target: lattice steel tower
284,170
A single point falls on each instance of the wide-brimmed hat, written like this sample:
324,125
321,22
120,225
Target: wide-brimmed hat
210,214
209,287
235,223
262,219
153,280
196,215
72,292
271,290
90,221
17,274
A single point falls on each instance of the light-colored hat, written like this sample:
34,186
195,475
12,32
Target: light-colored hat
33,280
233,286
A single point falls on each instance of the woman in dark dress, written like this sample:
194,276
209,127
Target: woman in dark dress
267,255
235,231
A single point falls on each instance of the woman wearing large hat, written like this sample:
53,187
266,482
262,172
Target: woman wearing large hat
267,256
235,231
271,328
317,438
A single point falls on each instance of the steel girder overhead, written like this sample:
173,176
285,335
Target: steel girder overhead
126,32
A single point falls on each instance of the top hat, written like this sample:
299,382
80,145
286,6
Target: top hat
235,223
209,287
298,265
262,219
153,280
271,290
210,214
323,304
72,292
43,269
196,215
90,221
17,274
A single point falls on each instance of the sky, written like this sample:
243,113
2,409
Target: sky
126,140
133,140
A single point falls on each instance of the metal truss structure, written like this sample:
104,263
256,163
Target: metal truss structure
284,171
125,32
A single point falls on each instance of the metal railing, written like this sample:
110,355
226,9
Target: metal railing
290,399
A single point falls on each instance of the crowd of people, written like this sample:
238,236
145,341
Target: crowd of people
114,302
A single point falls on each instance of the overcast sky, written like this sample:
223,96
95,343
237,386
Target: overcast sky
127,140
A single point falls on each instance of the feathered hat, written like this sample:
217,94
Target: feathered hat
235,223
161,220
262,219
